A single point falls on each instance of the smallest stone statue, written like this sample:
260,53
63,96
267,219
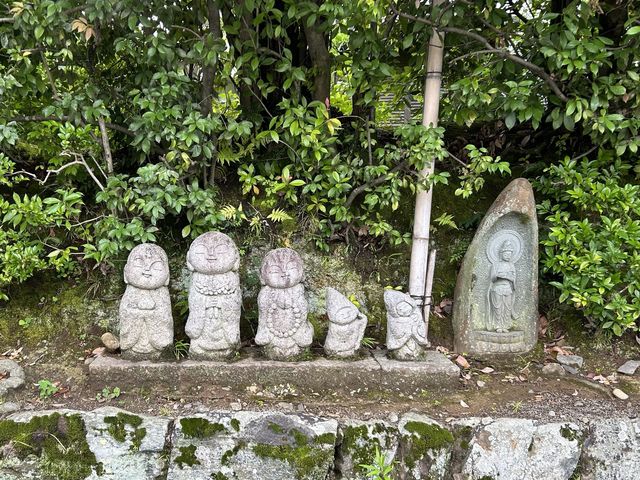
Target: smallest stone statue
406,331
346,326
146,323
283,328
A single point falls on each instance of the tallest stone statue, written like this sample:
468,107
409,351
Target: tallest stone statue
496,299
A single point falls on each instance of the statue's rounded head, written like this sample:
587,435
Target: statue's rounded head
281,268
213,253
147,267
506,250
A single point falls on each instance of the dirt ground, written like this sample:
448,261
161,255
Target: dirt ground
512,387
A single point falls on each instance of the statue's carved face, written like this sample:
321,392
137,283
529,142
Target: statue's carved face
147,267
506,255
213,253
281,268
404,309
345,315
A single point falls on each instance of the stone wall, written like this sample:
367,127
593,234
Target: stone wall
109,443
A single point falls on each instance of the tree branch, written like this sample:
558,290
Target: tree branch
532,67
373,183
106,148
66,118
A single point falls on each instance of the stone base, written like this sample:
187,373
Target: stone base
375,373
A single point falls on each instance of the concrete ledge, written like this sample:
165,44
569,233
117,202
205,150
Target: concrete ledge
376,373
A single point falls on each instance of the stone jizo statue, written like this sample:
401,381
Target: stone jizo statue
501,295
215,298
495,308
283,328
346,326
146,323
406,331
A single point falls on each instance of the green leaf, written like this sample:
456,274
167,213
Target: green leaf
39,31
510,120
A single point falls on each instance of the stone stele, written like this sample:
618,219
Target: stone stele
406,331
495,308
146,323
283,328
346,326
215,298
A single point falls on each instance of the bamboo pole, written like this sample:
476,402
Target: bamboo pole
422,216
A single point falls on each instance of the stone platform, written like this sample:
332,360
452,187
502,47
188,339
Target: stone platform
375,373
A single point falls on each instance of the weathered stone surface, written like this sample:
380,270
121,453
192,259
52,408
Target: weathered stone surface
496,297
346,326
612,451
320,375
146,323
629,367
110,341
126,445
14,376
406,331
215,298
425,448
252,445
106,444
575,361
517,449
110,443
358,442
283,328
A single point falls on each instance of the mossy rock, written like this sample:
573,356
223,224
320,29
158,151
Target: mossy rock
425,447
58,442
358,444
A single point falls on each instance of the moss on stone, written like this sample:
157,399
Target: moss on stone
219,476
59,441
117,429
569,433
300,438
327,438
422,438
361,446
235,424
306,460
197,427
187,456
229,454
276,428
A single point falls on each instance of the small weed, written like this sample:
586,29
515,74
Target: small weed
369,342
47,389
25,322
108,394
516,406
180,349
379,470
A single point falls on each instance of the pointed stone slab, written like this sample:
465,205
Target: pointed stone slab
496,298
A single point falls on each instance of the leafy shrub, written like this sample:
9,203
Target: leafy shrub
592,240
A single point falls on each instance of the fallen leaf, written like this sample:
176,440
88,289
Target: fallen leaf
462,362
543,324
487,370
97,352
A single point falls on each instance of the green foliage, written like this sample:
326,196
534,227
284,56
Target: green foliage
107,394
379,469
125,122
593,239
47,389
